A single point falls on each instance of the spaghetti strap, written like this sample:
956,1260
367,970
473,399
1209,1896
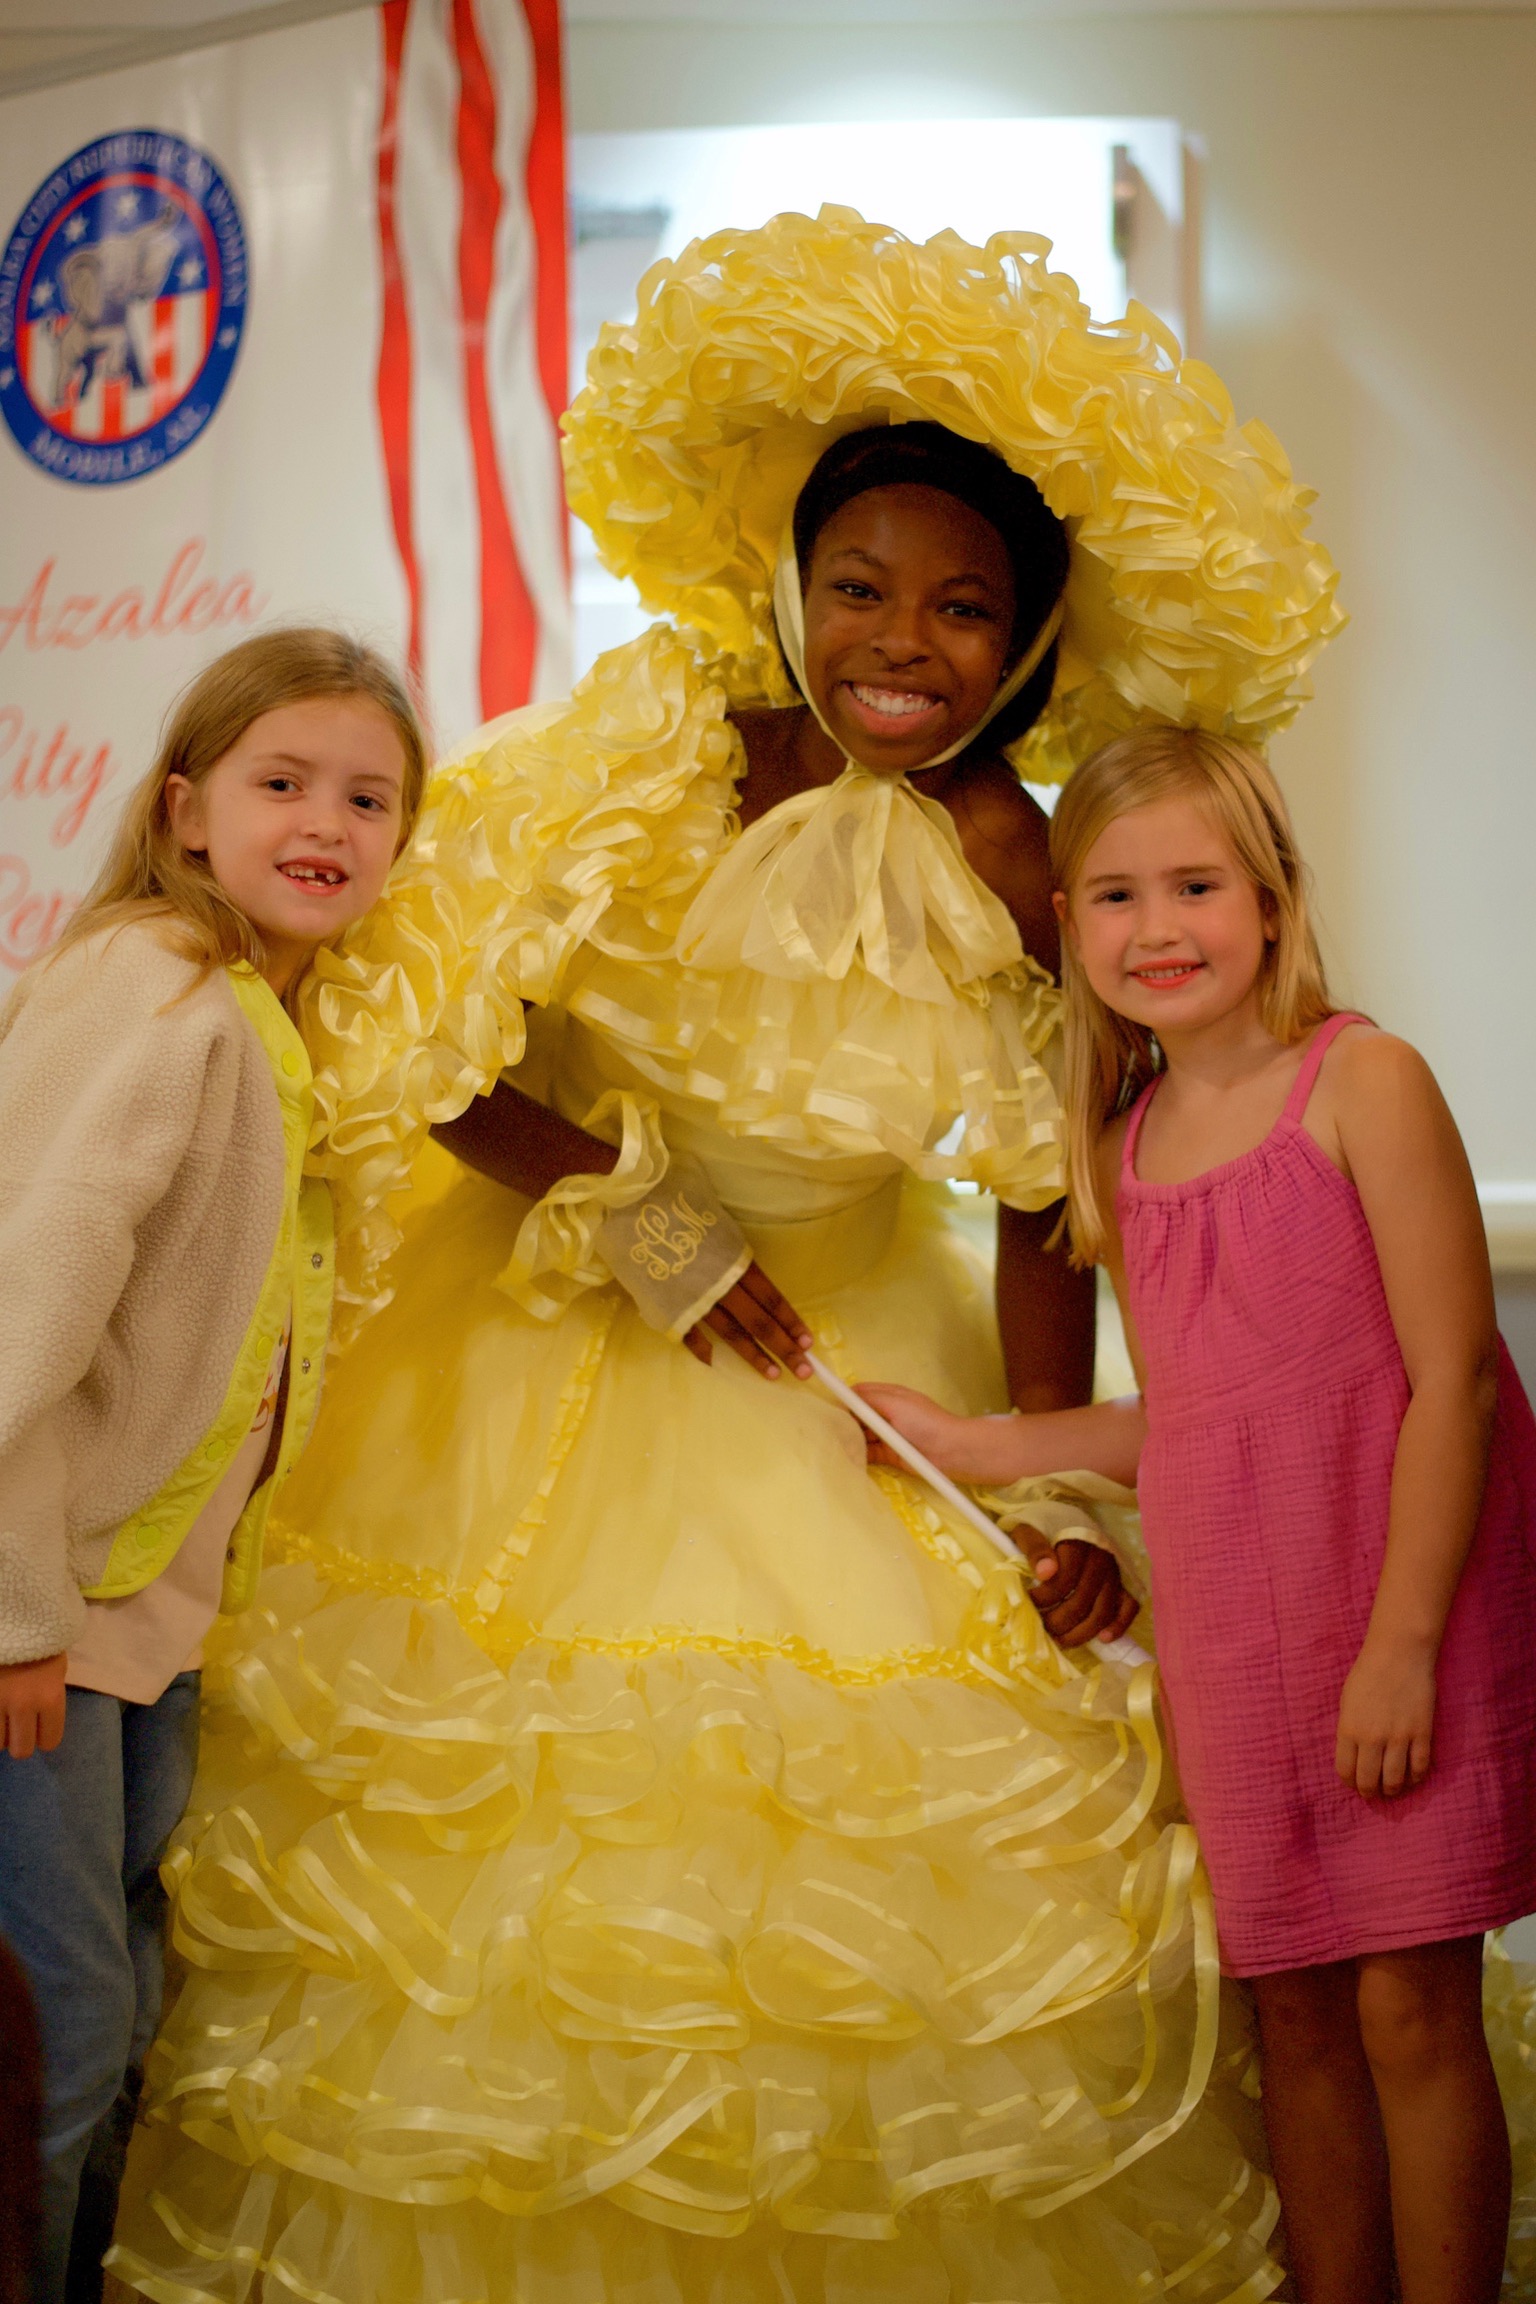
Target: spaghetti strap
1133,1129
1322,1040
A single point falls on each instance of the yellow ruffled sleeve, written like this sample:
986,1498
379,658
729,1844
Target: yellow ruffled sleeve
525,846
556,1254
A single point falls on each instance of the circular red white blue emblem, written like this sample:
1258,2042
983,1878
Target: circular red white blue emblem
122,302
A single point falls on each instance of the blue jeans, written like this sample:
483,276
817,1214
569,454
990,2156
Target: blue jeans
82,1832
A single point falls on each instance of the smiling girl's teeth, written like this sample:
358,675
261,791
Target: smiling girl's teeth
313,875
895,703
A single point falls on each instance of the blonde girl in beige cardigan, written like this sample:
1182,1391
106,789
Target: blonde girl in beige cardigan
165,1277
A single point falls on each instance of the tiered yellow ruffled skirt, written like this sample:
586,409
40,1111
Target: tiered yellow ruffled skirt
641,1857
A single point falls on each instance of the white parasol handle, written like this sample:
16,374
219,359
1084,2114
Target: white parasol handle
1122,1651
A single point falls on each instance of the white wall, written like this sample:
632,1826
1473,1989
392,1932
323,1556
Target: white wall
1368,291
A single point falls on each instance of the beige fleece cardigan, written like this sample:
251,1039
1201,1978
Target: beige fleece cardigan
142,1187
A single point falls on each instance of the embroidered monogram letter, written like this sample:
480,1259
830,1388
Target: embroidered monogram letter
668,1235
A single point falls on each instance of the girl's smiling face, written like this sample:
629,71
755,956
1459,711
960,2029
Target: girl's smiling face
1168,928
909,603
300,822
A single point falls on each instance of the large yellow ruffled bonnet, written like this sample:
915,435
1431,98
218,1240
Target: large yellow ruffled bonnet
1196,595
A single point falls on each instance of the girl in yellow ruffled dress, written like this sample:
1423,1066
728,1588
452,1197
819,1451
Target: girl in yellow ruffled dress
641,1854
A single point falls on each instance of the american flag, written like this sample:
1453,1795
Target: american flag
472,249
468,202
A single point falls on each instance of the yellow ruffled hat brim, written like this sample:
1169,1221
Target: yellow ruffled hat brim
1196,595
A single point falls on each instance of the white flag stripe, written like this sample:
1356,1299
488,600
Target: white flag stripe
526,446
189,339
163,361
445,513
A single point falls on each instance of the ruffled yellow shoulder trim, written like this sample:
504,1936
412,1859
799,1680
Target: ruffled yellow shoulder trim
524,841
835,1001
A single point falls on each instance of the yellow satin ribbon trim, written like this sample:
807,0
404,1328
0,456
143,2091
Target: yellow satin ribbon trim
1221,2241
441,2177
350,1572
923,1524
895,2020
431,2178
1140,1700
237,1946
196,2243
308,1867
1186,1879
570,1415
329,1899
662,2200
1032,1659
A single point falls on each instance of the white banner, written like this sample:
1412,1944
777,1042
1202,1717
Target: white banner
282,336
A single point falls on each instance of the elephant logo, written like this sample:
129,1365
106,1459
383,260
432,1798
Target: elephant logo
122,306
105,289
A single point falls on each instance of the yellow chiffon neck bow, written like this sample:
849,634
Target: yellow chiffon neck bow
864,867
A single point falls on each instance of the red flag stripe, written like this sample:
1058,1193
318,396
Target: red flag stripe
162,376
393,385
509,632
27,335
545,180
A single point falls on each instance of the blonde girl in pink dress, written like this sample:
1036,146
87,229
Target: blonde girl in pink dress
1337,1469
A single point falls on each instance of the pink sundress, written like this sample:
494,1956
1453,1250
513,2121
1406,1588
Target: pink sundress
1275,1391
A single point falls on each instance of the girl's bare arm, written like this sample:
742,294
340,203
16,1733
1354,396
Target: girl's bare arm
992,1451
1402,1149
1060,1435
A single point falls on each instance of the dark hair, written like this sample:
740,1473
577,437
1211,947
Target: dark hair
929,456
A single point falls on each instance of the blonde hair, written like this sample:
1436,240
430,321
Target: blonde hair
1109,1059
147,873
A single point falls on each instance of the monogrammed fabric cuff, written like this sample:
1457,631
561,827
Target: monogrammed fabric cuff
557,1253
677,1251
